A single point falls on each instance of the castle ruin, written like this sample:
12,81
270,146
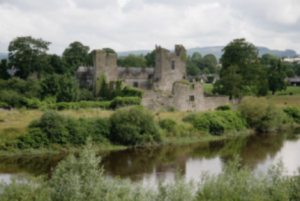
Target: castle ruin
164,85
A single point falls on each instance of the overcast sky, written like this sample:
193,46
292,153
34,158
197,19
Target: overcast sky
140,24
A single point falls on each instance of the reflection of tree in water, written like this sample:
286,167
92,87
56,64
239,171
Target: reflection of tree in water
35,165
135,162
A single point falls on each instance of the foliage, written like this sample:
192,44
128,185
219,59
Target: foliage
86,95
3,70
290,73
12,98
58,64
150,59
224,107
190,117
4,105
132,61
276,77
192,69
68,89
210,79
293,112
267,58
167,124
261,114
240,68
75,55
134,126
172,108
219,122
28,55
101,88
131,91
196,55
122,101
33,139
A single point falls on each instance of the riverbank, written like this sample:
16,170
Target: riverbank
171,141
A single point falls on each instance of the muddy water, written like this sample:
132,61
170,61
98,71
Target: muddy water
152,164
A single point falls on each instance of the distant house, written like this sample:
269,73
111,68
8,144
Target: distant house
293,81
203,77
289,59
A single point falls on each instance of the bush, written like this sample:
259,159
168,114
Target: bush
261,114
201,123
33,139
190,117
122,101
293,112
86,95
12,98
224,107
129,91
167,124
4,105
133,126
220,122
172,108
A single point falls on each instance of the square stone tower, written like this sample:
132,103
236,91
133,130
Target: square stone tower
170,67
105,67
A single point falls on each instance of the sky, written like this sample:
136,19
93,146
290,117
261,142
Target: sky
127,25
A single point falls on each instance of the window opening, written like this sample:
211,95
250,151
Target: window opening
173,65
135,84
192,98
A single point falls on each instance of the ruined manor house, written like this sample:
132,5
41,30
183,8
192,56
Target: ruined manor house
164,85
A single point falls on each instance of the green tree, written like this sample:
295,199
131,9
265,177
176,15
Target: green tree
211,59
192,69
290,72
132,61
76,54
150,59
3,70
28,55
58,64
196,55
267,58
239,58
276,77
231,83
206,71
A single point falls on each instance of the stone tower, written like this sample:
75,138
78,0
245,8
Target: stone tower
169,67
105,66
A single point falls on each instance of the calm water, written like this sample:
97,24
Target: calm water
153,164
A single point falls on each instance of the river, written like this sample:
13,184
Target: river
150,165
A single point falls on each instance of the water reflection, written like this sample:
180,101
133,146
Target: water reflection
257,151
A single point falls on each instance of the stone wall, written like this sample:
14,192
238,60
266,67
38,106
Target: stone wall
213,102
189,96
184,96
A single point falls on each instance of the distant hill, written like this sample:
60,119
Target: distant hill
215,50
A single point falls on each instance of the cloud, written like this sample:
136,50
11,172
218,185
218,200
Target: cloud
140,24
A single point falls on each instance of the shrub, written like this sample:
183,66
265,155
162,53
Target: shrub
125,101
33,103
172,108
291,93
261,114
12,98
53,125
4,105
201,123
190,117
33,139
293,112
167,124
210,79
129,91
134,126
224,107
86,95
220,122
